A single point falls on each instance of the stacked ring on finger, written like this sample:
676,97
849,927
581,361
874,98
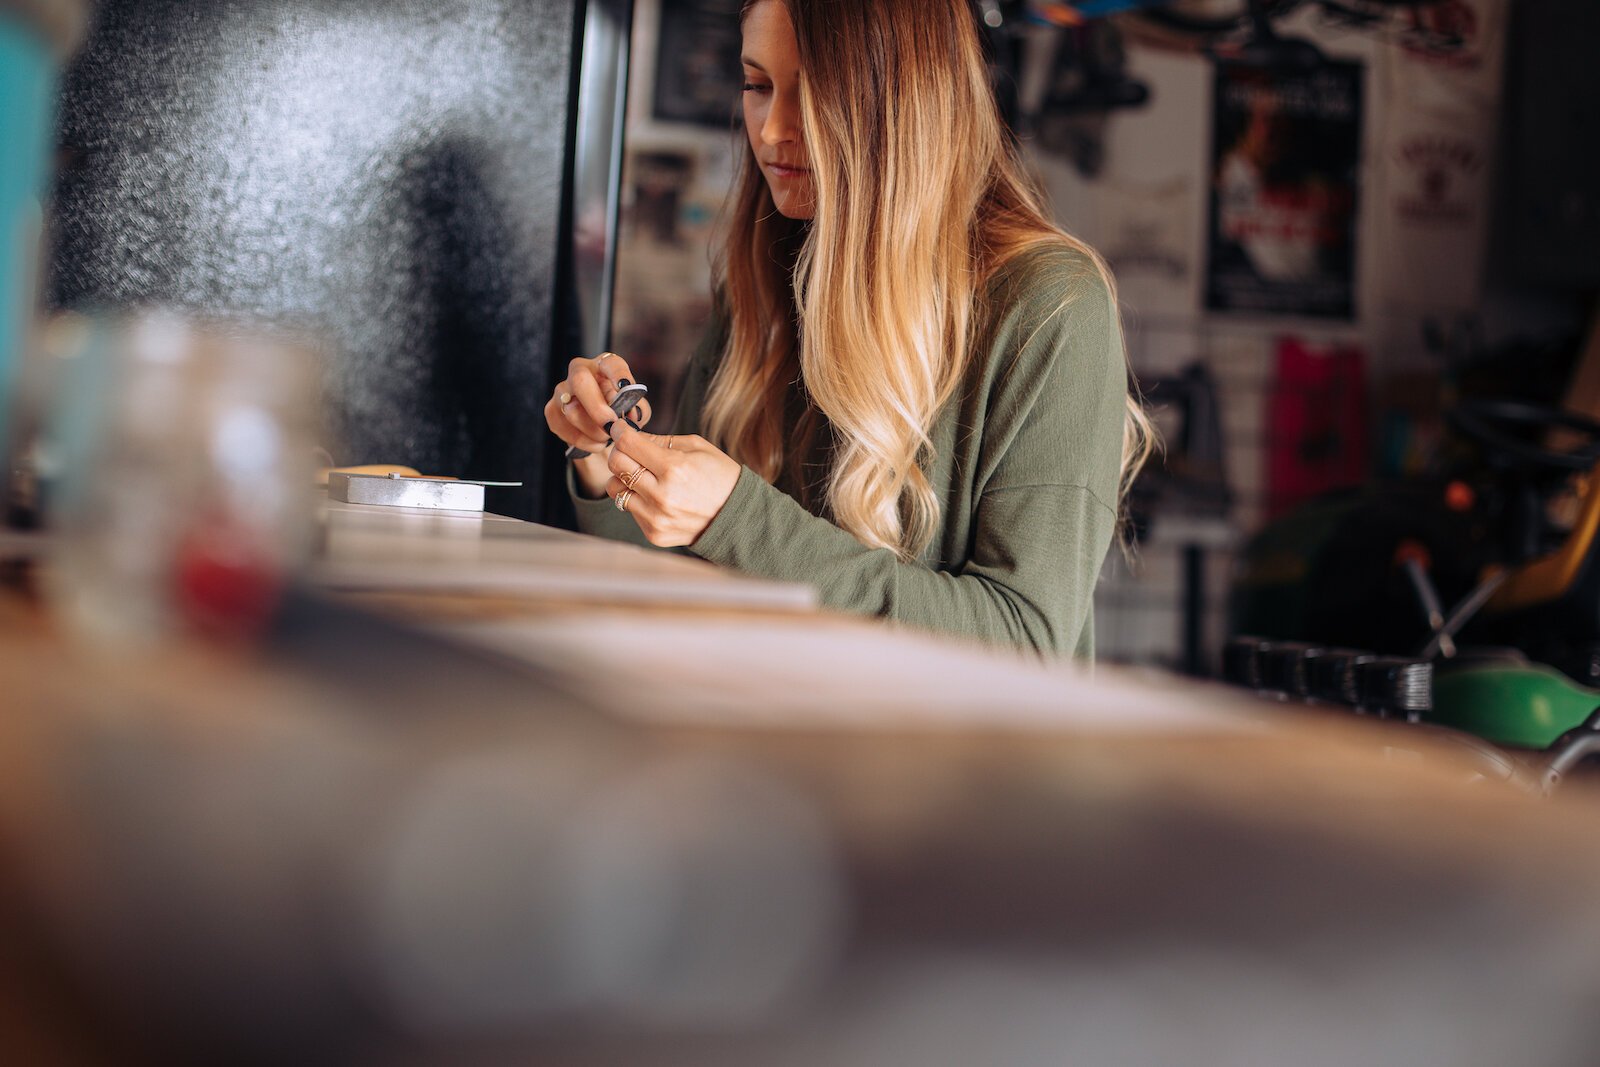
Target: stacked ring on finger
623,498
631,479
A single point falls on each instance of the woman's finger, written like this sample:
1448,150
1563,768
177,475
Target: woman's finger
612,367
562,425
588,392
572,414
587,427
589,399
640,506
632,474
594,384
646,448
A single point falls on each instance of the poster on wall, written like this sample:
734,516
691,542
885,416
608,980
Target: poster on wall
1436,147
1286,148
697,62
1147,233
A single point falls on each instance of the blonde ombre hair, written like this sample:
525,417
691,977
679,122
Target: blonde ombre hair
872,305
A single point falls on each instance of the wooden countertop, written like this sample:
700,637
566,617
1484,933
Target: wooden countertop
871,843
388,550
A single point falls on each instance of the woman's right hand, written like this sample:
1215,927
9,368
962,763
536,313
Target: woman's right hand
580,409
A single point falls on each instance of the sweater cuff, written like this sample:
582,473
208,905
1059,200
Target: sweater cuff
718,542
591,514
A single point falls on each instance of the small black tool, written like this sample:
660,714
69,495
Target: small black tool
628,396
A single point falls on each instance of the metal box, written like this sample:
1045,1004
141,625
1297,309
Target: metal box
398,492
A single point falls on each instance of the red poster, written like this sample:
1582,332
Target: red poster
1316,424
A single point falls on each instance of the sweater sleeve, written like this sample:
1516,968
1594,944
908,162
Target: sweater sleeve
600,517
1044,515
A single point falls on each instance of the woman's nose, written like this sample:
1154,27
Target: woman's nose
783,119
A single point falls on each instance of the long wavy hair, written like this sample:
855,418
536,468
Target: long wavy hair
920,197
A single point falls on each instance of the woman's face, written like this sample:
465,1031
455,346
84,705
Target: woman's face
772,107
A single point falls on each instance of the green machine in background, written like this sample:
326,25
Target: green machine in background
34,36
1470,583
1520,705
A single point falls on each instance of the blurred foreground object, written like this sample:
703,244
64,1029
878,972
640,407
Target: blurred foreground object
383,849
739,836
34,36
183,497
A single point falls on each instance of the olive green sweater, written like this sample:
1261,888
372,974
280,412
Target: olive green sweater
1025,461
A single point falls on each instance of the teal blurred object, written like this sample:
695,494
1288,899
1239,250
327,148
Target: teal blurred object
34,35
27,84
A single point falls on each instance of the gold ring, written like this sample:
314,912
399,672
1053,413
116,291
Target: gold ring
631,479
622,499
564,399
669,443
605,355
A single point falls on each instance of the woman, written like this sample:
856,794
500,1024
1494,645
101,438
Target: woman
914,396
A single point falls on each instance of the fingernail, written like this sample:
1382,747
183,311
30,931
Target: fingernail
607,427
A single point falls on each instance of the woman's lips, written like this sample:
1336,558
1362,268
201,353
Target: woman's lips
779,171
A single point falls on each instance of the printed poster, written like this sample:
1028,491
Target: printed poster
1286,149
1147,233
1441,90
697,63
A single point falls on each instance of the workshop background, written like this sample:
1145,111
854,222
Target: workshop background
1440,214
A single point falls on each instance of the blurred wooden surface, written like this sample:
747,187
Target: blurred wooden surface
392,550
202,844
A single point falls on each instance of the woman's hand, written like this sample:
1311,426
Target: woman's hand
580,408
675,485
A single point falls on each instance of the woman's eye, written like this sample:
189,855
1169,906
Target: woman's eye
752,87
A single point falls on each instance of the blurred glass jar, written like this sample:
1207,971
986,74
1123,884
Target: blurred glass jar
181,495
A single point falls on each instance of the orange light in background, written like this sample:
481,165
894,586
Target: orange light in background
1409,550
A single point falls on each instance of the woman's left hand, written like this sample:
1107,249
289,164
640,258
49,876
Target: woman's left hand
676,485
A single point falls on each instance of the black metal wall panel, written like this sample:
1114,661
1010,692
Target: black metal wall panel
390,171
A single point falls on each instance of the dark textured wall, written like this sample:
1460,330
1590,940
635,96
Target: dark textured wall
390,171
1549,210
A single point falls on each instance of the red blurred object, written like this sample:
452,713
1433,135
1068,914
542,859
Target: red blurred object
1316,424
1458,496
227,583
